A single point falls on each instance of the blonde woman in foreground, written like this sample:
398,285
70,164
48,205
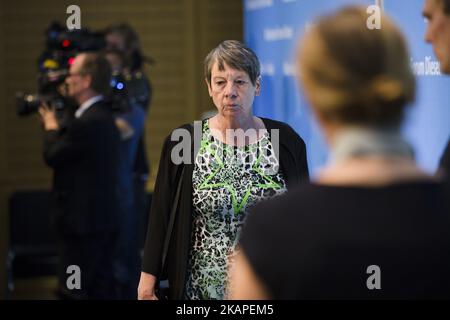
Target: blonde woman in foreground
373,225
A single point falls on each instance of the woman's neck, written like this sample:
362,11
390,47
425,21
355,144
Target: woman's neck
372,171
351,142
228,130
222,123
372,157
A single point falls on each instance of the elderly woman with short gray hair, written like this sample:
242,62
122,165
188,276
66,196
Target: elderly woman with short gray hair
230,172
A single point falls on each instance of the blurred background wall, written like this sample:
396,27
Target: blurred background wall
272,28
177,34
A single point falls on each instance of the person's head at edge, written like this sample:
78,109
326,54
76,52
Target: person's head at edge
232,74
437,13
89,76
353,76
124,38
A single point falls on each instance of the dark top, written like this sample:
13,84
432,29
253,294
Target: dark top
317,242
292,157
84,158
444,164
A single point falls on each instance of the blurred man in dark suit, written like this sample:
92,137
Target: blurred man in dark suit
437,12
84,157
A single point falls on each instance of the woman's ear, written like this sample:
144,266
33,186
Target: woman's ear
209,87
258,86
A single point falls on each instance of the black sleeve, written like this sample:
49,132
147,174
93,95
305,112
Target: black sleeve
65,147
444,163
297,148
301,160
278,237
159,212
260,242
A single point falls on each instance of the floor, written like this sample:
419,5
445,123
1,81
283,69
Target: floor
35,288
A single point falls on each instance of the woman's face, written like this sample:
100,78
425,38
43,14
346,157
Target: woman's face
232,91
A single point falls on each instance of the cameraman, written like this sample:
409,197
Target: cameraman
84,158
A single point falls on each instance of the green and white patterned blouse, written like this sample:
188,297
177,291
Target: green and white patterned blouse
227,181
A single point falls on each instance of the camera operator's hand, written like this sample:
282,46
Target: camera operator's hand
48,117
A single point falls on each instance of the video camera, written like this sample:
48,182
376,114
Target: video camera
62,46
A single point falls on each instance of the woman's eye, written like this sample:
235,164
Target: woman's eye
240,82
219,83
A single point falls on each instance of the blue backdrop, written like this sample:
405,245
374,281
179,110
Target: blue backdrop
272,28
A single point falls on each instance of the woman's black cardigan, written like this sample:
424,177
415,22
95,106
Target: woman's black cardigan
292,157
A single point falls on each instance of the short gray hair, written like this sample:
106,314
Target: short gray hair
236,55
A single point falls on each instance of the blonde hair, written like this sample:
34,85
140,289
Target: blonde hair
352,74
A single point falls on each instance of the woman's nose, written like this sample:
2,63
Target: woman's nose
230,90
